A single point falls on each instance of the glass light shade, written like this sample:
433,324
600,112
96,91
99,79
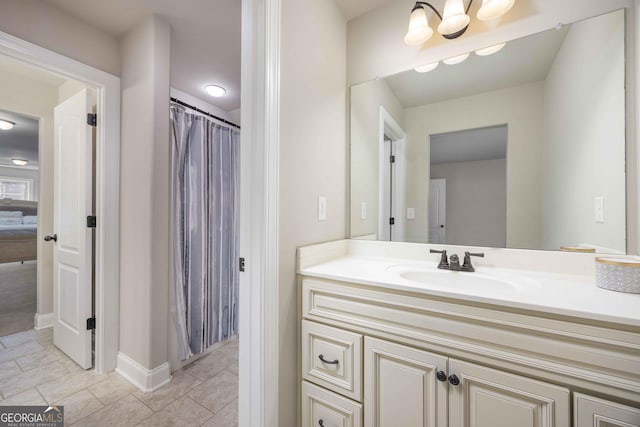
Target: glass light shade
456,59
427,68
490,50
492,9
419,30
19,162
454,17
6,124
215,90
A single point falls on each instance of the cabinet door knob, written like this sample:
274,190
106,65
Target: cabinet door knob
454,380
441,376
329,362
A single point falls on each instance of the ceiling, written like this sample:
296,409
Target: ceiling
205,40
355,8
521,61
21,142
469,145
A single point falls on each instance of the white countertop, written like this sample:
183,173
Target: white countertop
562,294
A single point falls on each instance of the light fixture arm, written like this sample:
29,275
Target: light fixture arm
446,36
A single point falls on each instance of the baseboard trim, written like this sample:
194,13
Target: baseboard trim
43,321
146,380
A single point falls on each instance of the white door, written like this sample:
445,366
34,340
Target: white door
401,386
392,192
591,411
72,255
437,211
484,397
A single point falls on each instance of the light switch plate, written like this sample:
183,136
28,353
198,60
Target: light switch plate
411,213
363,210
322,208
599,209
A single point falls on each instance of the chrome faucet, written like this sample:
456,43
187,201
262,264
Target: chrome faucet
453,263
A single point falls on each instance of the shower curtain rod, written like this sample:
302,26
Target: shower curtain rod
184,104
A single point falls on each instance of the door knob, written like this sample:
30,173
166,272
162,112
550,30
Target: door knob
50,238
441,225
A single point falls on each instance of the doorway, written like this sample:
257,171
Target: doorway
107,89
391,193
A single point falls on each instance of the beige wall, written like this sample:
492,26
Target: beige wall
520,108
36,99
584,139
376,48
366,100
144,192
476,204
41,23
313,153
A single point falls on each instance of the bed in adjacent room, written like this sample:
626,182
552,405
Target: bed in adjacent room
18,230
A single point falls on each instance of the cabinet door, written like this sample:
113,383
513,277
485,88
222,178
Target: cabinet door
401,388
593,412
487,397
322,408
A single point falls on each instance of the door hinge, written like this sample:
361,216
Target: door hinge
92,119
392,159
91,221
392,221
91,323
241,265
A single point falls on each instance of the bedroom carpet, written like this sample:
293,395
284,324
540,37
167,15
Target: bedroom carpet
17,297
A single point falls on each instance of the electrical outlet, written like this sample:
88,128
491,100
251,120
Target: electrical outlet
363,210
411,213
322,208
599,209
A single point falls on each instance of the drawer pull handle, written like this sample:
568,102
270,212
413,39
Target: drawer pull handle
454,380
328,362
441,376
321,423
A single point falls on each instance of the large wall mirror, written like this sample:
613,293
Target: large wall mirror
523,148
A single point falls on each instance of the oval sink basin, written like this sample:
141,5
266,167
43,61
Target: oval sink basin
460,281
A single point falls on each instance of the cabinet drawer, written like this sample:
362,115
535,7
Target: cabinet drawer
593,412
324,408
332,358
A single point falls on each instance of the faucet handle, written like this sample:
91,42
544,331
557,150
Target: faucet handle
466,264
444,262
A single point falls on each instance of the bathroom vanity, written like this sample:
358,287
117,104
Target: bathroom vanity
528,339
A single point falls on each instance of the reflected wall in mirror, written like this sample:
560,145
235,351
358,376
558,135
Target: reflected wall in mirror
524,148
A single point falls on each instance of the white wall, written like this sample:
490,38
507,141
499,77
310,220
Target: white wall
313,152
520,108
42,24
476,203
24,173
366,100
31,98
144,193
376,47
584,139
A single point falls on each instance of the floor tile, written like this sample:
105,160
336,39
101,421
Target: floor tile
20,338
20,350
22,382
217,392
38,358
127,411
78,406
226,417
113,388
183,412
29,397
180,384
56,390
213,363
8,369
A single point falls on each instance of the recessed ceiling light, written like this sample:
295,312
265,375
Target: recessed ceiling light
19,162
215,90
6,124
456,59
427,68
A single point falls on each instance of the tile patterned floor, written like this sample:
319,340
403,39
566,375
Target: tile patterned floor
33,371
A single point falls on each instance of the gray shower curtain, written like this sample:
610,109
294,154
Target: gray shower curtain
205,175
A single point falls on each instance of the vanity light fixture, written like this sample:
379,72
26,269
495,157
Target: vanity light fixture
215,90
453,22
19,162
456,59
427,68
490,50
6,124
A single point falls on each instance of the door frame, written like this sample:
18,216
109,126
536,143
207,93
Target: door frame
388,126
107,234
